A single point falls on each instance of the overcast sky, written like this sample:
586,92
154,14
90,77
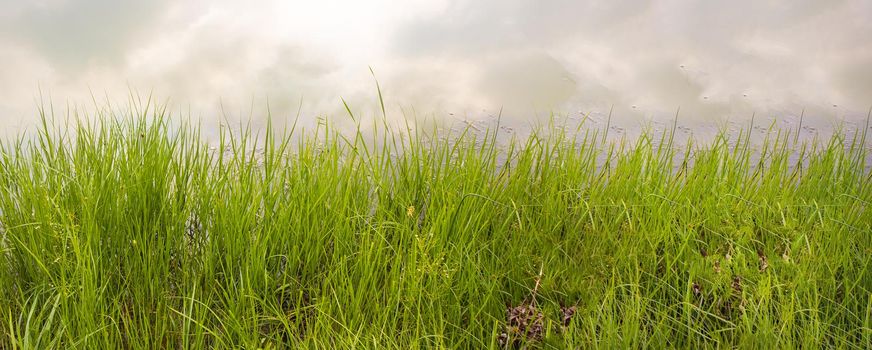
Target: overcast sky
712,58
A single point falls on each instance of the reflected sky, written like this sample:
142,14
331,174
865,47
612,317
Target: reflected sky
442,57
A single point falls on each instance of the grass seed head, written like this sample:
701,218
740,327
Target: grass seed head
764,263
737,284
567,312
523,322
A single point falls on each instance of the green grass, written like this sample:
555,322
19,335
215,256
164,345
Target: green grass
132,232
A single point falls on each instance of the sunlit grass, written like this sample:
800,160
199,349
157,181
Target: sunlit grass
130,232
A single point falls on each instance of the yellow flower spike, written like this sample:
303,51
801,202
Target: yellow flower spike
410,211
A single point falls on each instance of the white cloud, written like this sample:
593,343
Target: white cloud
712,58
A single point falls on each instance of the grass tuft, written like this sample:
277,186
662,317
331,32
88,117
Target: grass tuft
131,232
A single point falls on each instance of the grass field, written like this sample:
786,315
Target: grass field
134,232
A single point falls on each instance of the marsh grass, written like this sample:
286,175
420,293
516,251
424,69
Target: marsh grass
131,232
